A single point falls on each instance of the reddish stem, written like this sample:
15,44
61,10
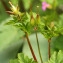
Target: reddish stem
49,40
30,47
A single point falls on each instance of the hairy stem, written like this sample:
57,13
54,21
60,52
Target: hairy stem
49,54
31,49
38,48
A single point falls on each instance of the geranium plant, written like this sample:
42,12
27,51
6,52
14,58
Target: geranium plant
47,25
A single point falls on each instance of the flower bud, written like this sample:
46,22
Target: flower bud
32,20
51,24
37,19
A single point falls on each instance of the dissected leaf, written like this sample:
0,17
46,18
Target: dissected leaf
56,57
22,59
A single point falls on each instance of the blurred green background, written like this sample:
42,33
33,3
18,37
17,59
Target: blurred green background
12,40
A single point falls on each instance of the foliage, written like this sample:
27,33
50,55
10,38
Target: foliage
22,59
49,24
10,42
28,23
57,57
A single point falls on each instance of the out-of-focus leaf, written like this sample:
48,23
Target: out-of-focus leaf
60,2
10,42
49,1
58,43
15,2
43,47
3,14
14,61
27,4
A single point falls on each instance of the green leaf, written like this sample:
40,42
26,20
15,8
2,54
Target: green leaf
14,61
10,42
22,59
15,2
56,57
10,22
27,4
3,14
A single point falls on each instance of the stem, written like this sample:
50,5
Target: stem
30,47
38,48
49,40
